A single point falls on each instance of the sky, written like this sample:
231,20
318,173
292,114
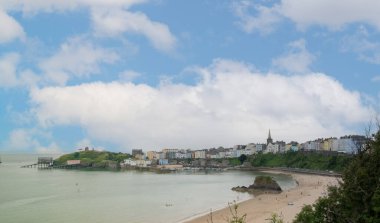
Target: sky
152,74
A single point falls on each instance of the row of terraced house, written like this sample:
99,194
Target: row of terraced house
345,144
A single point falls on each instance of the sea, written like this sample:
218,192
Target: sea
33,195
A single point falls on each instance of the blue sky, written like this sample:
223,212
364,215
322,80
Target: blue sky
125,74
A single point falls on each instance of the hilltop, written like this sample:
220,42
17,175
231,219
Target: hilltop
92,158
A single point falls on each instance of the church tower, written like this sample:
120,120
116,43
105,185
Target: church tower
269,139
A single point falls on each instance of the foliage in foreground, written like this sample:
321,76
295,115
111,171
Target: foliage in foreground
313,161
357,198
236,218
275,218
234,213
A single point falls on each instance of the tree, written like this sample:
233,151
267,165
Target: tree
242,158
357,198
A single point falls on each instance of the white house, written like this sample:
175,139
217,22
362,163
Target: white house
139,163
260,147
73,162
250,149
229,153
272,148
222,154
200,154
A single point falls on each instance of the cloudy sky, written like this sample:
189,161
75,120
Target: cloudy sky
124,74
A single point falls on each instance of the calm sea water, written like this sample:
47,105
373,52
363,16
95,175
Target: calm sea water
32,195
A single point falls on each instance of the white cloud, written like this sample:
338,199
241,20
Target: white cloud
109,17
367,49
32,7
10,28
358,42
117,21
331,14
376,78
29,78
51,149
10,76
374,59
128,75
297,60
21,139
232,104
263,22
75,58
8,71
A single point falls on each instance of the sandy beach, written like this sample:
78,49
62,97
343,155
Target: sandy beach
286,204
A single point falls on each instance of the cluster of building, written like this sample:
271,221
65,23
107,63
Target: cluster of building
346,144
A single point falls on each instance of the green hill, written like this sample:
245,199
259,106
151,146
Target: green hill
93,158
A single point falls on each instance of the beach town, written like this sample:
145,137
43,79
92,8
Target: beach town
310,184
177,158
217,111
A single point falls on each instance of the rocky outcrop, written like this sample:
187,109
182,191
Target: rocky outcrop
241,189
266,183
262,183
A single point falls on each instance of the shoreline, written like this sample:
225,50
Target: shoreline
194,217
287,204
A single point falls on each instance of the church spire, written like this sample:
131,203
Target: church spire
269,140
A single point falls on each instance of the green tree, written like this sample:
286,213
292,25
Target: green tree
357,198
242,158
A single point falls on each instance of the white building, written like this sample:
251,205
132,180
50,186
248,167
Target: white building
139,163
222,154
272,148
239,152
160,155
229,153
200,154
183,154
312,145
151,155
250,149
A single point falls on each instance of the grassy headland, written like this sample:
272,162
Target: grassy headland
91,158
